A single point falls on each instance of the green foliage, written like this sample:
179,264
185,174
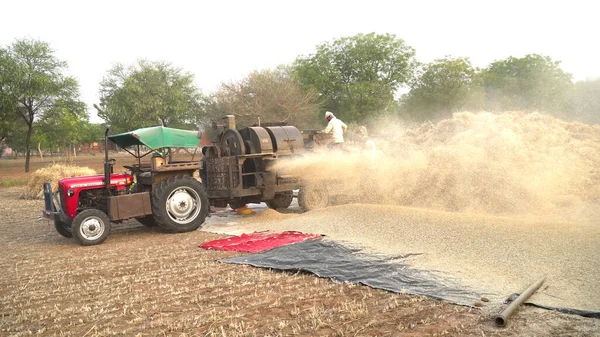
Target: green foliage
274,96
8,118
94,132
530,83
64,126
357,77
32,82
15,139
13,182
148,94
442,87
585,101
8,122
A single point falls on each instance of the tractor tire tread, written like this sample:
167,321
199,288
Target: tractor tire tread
307,194
80,217
158,200
281,200
148,221
63,229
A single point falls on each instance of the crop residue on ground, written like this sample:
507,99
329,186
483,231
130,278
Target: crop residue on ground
496,200
510,163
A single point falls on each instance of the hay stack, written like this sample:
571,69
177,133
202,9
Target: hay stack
35,186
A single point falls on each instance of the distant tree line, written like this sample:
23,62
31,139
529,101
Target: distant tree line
358,77
36,95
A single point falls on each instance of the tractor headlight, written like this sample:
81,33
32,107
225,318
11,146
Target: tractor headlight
70,192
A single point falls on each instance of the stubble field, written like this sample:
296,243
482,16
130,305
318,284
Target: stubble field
145,282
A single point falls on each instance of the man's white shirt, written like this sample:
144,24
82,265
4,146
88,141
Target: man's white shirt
338,127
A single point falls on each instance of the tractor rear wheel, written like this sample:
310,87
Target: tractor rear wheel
179,204
147,221
281,200
313,196
63,229
91,227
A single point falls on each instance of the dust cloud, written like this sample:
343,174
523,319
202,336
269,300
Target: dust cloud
492,201
500,164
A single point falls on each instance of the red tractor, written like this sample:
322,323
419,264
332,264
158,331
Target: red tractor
238,169
159,194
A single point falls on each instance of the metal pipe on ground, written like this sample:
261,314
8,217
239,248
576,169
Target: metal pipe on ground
503,316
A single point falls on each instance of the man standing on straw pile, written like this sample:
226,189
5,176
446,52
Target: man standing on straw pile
337,127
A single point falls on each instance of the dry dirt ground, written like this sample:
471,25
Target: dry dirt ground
144,282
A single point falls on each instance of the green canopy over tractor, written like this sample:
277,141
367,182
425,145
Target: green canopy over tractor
157,137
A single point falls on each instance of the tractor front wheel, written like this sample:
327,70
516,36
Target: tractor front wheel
63,229
179,204
281,200
91,227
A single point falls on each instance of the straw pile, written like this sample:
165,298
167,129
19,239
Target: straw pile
510,163
35,186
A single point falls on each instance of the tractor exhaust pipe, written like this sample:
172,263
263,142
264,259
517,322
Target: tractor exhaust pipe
502,317
106,163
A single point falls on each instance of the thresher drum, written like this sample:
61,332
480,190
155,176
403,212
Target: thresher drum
249,149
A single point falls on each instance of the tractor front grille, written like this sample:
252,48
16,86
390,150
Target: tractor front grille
61,197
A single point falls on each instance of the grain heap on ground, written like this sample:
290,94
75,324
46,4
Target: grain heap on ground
270,215
496,256
35,186
494,200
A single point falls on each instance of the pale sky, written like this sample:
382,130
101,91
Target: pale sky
224,40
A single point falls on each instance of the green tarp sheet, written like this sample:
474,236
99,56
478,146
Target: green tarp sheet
157,137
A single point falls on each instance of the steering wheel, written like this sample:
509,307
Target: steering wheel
133,169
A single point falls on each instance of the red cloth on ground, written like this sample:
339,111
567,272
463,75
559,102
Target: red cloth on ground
257,242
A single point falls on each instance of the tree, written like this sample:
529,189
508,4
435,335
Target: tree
358,76
8,124
530,83
15,140
32,82
64,127
148,94
585,101
272,95
7,116
441,87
